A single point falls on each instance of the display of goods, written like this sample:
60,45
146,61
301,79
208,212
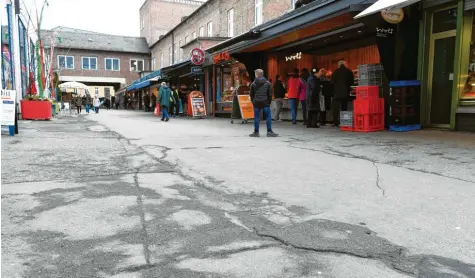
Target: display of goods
365,92
346,118
369,122
368,106
370,75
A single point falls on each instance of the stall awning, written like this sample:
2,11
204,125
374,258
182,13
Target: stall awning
142,85
386,5
142,82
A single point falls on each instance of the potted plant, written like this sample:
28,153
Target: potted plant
36,108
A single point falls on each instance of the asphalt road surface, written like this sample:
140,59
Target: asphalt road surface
121,194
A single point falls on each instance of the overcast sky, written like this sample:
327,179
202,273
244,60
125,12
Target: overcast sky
118,17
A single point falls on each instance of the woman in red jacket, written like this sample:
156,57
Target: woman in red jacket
293,93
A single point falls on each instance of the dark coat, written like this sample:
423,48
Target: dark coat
279,90
342,79
164,98
261,92
314,87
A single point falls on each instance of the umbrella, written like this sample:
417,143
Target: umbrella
73,85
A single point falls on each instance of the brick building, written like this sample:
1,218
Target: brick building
103,62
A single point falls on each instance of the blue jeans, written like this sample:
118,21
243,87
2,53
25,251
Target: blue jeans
267,116
294,102
164,113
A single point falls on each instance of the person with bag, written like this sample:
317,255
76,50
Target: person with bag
314,88
165,100
261,97
279,95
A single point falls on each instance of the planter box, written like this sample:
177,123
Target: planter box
36,110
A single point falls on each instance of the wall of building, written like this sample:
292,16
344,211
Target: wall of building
124,71
160,16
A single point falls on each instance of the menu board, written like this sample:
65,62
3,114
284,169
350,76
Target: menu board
197,102
8,107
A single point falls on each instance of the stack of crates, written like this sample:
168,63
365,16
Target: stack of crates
370,75
368,109
346,121
404,109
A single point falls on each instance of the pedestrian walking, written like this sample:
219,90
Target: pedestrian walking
78,104
96,104
153,102
314,87
146,102
261,97
165,100
342,79
176,100
88,103
117,102
279,95
293,94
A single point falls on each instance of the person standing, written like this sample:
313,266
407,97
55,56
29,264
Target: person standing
153,102
261,97
303,93
279,95
96,104
146,102
342,79
88,103
314,86
176,100
293,94
164,100
327,92
78,104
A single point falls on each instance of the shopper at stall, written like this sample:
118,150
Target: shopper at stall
342,79
165,100
279,95
314,86
302,93
293,93
261,97
146,102
176,104
327,92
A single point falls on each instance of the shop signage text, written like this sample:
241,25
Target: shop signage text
393,16
7,107
223,56
297,56
196,69
247,109
197,56
384,32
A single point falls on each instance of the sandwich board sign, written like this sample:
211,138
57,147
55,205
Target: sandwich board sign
7,108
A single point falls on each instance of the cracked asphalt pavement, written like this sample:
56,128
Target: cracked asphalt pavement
121,194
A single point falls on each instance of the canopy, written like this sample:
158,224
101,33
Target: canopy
381,5
73,85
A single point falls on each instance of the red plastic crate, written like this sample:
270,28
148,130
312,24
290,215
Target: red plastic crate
347,128
369,122
367,92
369,106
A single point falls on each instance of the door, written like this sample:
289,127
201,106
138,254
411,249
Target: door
441,68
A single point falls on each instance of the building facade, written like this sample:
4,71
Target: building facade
97,60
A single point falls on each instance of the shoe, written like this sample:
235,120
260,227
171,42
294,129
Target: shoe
294,123
254,134
272,134
167,119
162,120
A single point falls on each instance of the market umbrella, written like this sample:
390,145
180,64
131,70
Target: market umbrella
73,85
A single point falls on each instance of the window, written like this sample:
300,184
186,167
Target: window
89,63
175,53
142,24
258,12
170,55
181,51
65,62
161,60
96,91
468,90
137,65
112,64
209,29
231,23
202,31
193,35
186,40
153,63
292,3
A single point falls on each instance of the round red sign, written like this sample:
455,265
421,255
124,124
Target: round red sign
197,56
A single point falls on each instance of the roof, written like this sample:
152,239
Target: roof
72,30
86,40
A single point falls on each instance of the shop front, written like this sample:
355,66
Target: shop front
138,94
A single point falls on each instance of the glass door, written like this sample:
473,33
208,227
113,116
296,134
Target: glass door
441,68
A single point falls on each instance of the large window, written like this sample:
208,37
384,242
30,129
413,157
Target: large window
181,51
175,53
161,60
112,64
142,24
193,35
65,62
153,63
231,23
468,91
187,40
89,63
137,65
170,55
202,31
258,12
209,29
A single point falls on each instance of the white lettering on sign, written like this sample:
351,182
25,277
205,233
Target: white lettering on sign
297,56
7,107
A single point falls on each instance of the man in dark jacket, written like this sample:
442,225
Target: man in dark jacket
261,97
342,79
279,95
314,87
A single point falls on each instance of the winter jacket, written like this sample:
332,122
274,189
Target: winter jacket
261,92
279,90
313,93
302,89
342,79
165,95
97,102
78,101
293,87
88,100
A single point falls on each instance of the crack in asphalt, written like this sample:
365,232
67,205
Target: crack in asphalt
383,191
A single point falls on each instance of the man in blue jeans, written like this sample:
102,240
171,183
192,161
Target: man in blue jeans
261,97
